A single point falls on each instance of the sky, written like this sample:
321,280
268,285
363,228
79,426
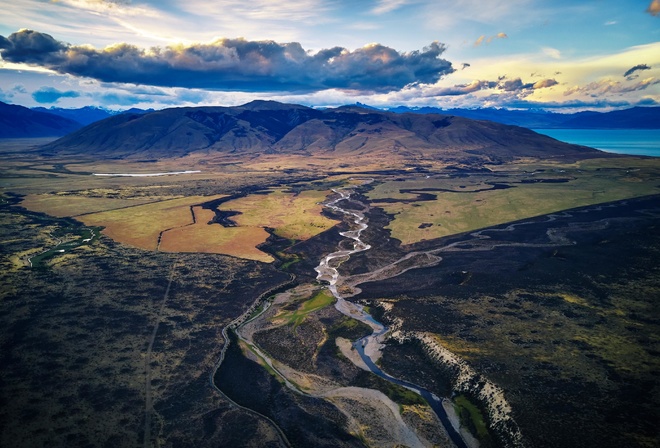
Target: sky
561,55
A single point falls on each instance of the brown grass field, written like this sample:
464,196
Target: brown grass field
214,238
68,205
293,216
140,226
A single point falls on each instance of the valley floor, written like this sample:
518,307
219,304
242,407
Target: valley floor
525,293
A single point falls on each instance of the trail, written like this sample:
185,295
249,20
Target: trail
149,409
232,326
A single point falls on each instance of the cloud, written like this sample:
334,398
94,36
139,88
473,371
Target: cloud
112,7
462,89
552,52
488,40
233,64
293,10
608,86
544,83
51,95
654,8
9,94
635,68
385,6
516,85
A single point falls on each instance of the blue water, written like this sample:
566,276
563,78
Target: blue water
641,142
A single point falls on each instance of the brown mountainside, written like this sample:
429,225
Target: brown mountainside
268,127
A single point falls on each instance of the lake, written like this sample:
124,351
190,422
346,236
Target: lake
643,142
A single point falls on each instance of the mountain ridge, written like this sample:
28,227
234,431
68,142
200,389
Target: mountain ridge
269,127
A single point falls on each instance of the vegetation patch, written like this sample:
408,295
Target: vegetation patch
396,393
140,226
473,419
320,300
294,216
69,238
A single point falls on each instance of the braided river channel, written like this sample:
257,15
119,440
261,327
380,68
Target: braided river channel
370,345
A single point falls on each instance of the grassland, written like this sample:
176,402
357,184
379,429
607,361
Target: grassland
140,226
297,315
61,205
140,221
295,216
472,203
203,237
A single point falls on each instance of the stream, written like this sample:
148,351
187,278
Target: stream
370,345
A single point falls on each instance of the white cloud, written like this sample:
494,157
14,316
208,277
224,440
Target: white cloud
385,6
268,10
551,52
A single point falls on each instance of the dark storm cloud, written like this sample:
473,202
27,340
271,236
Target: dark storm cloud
50,95
234,64
635,68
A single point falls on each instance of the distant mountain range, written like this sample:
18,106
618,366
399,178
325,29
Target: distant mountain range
84,115
634,118
19,122
268,127
88,114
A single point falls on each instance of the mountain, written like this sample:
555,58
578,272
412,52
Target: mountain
84,115
19,122
268,127
88,114
634,118
135,110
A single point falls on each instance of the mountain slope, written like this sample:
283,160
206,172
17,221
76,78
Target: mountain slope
19,121
267,127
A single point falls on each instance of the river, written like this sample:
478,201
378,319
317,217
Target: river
369,346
